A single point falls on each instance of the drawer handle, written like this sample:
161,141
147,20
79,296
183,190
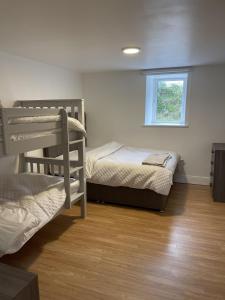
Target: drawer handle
211,173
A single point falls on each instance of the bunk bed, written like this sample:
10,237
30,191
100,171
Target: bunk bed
33,197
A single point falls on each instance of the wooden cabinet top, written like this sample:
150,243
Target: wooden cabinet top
17,284
218,146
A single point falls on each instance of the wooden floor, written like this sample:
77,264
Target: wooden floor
123,253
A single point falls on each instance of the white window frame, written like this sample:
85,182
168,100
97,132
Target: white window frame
151,97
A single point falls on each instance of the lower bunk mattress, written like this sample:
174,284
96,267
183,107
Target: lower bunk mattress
27,203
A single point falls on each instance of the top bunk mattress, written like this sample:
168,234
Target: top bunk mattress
73,125
27,203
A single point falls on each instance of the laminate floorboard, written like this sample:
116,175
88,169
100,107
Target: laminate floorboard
120,253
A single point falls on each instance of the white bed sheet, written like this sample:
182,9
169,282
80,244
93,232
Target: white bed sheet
27,203
114,164
73,124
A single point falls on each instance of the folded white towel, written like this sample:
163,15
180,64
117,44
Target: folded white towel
157,159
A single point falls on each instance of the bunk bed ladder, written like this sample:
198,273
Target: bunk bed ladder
66,159
81,156
72,198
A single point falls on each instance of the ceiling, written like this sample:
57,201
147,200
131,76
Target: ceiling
87,35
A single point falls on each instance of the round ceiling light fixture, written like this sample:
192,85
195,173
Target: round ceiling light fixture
131,50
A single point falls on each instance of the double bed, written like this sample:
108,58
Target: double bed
115,174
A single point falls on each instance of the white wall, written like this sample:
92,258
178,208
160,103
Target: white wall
115,111
24,79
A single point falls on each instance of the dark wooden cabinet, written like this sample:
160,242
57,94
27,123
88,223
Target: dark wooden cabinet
218,172
17,284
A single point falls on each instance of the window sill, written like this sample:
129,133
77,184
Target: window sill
167,125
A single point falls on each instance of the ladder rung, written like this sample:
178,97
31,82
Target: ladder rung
76,197
75,142
73,170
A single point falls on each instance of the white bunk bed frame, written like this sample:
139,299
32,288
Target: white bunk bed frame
51,134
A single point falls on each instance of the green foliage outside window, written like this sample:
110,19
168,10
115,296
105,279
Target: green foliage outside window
169,98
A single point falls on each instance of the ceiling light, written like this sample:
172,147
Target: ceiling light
131,50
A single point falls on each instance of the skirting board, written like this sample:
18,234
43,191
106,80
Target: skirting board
192,179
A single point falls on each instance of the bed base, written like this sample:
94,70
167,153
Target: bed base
126,196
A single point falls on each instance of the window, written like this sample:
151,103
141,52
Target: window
166,98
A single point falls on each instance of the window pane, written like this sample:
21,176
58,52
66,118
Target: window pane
169,100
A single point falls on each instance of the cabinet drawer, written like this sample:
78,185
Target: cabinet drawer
218,175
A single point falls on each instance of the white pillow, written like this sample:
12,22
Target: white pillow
76,125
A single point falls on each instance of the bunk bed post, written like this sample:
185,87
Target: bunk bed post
5,133
22,163
66,164
81,151
83,201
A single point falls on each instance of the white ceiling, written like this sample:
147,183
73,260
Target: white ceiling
88,35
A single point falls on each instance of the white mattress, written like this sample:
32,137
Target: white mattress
73,125
114,164
27,203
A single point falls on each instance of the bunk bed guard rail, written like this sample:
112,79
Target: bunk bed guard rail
20,134
74,107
